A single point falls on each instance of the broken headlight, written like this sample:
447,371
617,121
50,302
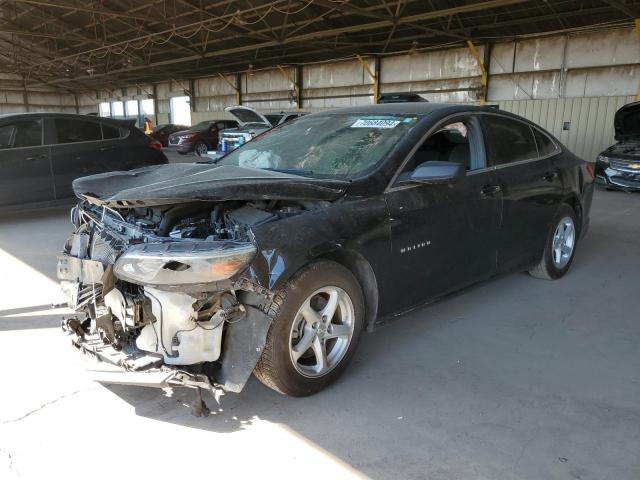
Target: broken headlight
183,263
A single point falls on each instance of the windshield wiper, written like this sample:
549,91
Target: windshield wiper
293,171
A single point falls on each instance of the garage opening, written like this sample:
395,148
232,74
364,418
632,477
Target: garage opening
180,110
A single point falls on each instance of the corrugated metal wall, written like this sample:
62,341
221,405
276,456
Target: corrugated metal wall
580,78
591,119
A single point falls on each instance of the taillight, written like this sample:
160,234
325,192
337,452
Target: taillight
590,167
155,144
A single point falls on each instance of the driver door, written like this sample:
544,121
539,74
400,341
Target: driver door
444,236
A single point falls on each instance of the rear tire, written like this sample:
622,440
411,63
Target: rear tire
200,149
560,246
320,310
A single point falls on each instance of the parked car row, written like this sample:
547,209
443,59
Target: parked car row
42,153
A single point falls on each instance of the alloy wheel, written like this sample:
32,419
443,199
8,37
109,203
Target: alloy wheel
201,149
321,332
563,243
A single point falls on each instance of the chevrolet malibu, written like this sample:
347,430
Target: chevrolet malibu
275,259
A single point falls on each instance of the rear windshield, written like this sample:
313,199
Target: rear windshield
340,146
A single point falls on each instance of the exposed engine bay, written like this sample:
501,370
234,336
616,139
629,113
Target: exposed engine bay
161,289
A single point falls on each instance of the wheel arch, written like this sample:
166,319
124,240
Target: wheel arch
574,202
362,270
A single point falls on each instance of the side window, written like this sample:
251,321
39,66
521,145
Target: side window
449,143
72,130
220,125
109,132
507,140
546,146
25,133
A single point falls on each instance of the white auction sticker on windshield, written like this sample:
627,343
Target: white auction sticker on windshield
374,123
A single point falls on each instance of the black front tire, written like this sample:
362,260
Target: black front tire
275,368
546,267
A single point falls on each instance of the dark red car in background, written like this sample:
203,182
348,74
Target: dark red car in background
161,132
200,138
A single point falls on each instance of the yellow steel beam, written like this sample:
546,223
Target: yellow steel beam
376,80
293,84
476,55
232,85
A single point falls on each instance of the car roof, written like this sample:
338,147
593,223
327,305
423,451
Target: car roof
418,108
115,121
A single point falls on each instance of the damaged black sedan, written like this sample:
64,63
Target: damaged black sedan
277,257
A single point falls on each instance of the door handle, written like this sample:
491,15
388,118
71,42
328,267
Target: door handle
550,176
490,190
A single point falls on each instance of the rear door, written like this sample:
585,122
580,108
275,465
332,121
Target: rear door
530,184
78,151
25,169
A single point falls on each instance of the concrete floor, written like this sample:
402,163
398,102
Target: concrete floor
515,379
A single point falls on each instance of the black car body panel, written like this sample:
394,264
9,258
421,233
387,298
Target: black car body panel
187,182
40,169
618,167
407,242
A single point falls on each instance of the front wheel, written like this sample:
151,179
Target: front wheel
560,246
318,318
200,149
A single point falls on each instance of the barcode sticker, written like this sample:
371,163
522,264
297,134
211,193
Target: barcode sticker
371,123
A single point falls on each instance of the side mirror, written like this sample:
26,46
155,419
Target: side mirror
437,173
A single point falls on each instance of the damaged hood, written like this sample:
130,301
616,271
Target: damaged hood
627,122
185,182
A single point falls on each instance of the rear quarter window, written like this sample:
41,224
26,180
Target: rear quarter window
546,146
508,140
110,132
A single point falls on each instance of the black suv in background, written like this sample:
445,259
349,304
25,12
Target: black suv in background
42,153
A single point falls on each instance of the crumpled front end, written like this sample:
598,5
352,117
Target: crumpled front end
159,294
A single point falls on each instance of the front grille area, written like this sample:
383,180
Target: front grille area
624,165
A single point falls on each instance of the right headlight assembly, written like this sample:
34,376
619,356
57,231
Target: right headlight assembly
603,159
183,263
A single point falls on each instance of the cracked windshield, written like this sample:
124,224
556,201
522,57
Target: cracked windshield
342,146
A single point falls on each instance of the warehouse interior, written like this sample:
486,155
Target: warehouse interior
474,386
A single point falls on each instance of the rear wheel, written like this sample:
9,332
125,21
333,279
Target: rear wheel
318,319
560,246
200,148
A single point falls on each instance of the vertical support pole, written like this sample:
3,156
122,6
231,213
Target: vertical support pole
75,97
638,33
300,86
192,95
154,96
238,89
373,74
25,94
376,82
294,83
487,67
483,70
